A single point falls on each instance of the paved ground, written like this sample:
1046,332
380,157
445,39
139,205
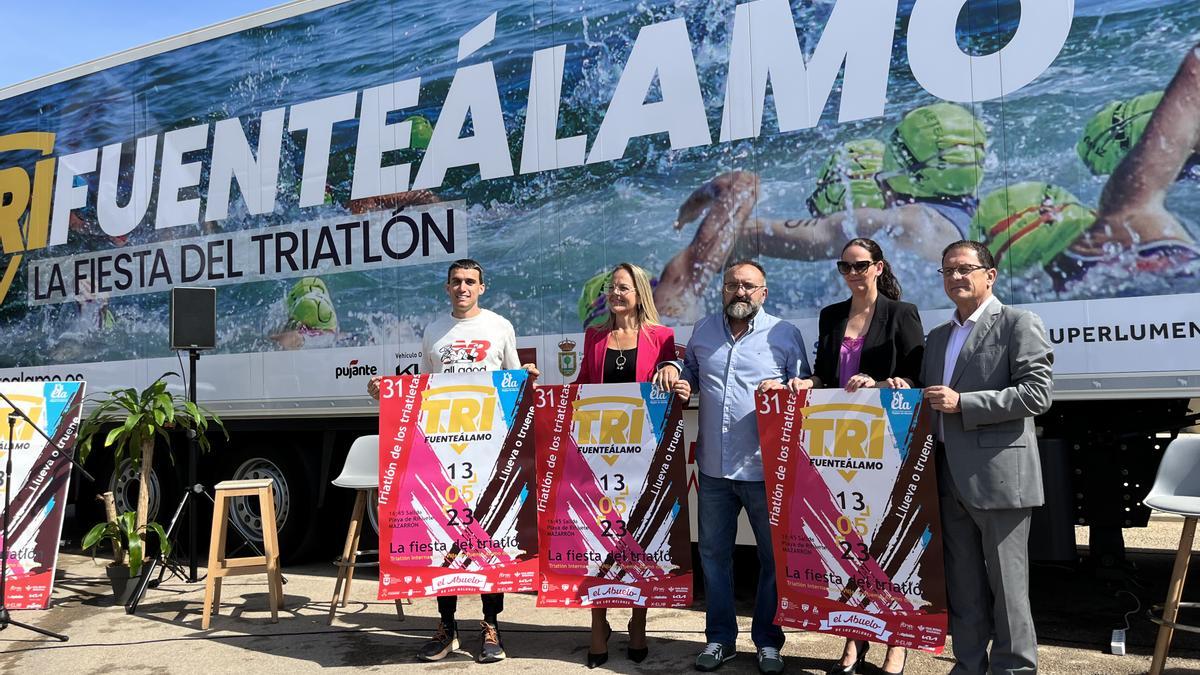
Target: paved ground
1075,615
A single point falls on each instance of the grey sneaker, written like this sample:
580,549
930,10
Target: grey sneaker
444,641
491,649
770,662
713,656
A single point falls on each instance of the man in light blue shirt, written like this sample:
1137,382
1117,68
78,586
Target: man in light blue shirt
729,355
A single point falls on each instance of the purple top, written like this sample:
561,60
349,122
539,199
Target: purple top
849,358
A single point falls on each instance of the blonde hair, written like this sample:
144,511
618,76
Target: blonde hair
647,313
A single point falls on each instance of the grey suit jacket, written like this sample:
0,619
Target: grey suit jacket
1003,375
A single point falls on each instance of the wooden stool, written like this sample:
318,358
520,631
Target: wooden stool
349,559
220,567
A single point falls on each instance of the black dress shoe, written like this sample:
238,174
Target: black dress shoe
637,655
597,660
861,646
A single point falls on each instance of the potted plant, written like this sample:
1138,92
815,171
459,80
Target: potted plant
140,417
128,551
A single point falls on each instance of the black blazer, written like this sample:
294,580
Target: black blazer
894,344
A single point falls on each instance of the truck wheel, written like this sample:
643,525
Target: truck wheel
125,483
295,502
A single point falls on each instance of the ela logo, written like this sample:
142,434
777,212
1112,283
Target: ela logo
900,403
509,383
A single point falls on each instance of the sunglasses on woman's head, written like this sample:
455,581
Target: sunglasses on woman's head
857,267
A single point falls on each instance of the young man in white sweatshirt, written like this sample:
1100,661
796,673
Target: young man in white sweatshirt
469,338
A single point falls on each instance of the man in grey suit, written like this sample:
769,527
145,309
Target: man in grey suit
987,372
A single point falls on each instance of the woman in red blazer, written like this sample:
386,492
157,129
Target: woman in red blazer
626,348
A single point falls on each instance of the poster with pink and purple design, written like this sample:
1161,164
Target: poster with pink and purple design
41,471
612,497
853,509
456,480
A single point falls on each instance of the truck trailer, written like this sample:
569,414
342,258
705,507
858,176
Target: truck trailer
322,162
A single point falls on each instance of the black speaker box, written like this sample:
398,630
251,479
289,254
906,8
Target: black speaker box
193,318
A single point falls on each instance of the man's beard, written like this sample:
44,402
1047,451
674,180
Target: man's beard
741,309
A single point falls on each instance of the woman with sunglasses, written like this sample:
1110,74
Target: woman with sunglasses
626,347
870,340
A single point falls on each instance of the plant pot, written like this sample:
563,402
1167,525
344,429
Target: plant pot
123,585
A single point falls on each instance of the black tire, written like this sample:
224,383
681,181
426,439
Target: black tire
295,496
124,483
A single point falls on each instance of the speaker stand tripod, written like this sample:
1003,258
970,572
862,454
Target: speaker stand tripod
167,564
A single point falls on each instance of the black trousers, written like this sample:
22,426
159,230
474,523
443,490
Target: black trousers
493,603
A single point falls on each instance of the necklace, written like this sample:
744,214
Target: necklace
620,361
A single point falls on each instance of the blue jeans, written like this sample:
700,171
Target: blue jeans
720,500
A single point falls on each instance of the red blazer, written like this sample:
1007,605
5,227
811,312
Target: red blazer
655,344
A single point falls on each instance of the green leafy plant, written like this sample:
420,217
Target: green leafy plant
128,540
140,417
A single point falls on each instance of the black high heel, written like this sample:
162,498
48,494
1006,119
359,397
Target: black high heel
637,655
861,647
597,660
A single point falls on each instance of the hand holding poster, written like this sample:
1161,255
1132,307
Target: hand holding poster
612,497
456,470
852,502
38,487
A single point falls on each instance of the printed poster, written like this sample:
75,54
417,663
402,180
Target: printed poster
612,497
853,509
456,476
41,472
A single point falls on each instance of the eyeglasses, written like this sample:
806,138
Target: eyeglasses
961,270
734,287
858,267
618,290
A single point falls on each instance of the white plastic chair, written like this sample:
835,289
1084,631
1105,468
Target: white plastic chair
359,473
1176,490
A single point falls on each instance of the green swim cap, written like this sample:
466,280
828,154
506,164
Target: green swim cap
936,151
310,306
305,286
847,179
1028,224
1111,132
593,306
314,310
422,131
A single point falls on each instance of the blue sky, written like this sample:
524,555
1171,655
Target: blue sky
49,35
46,36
